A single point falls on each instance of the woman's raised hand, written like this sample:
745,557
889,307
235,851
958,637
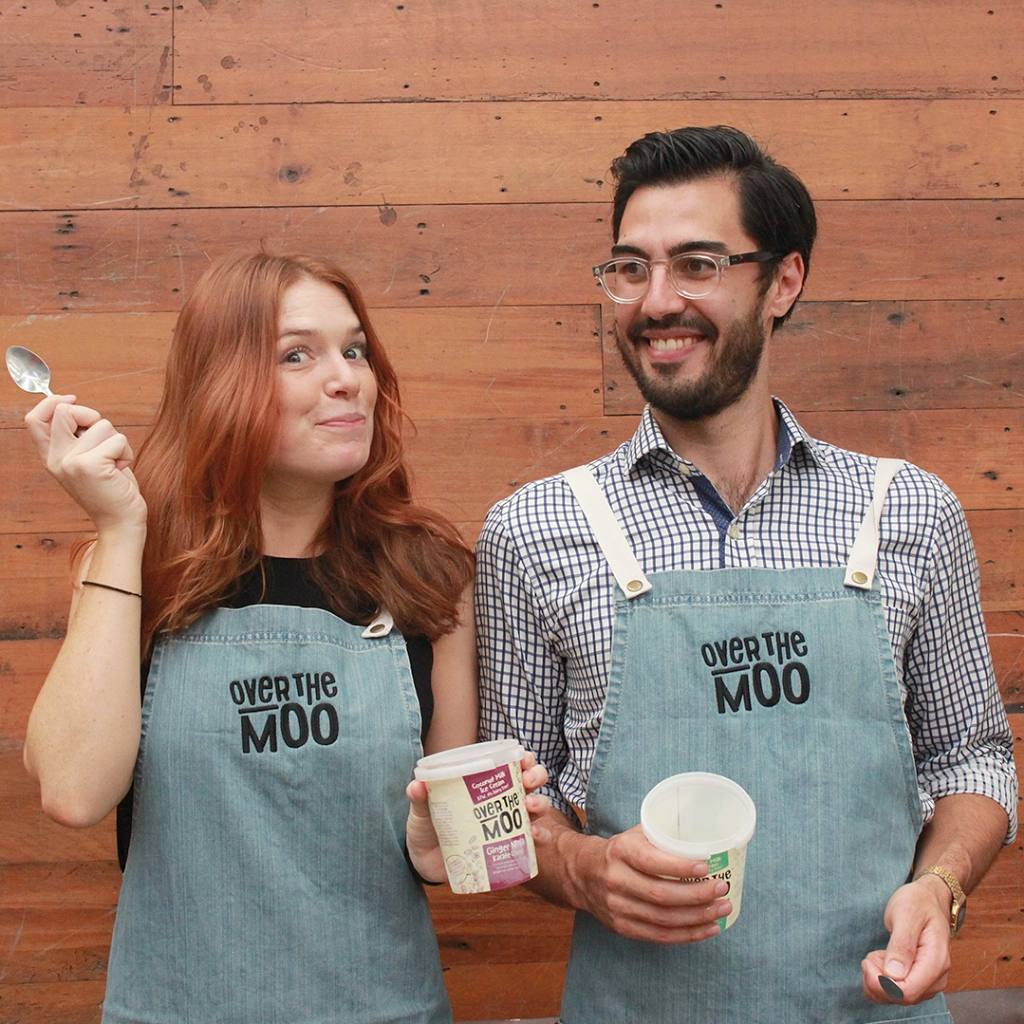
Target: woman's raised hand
90,459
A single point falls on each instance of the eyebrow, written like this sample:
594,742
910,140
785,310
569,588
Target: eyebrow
309,332
698,245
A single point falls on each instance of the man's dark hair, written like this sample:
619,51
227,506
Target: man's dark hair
775,206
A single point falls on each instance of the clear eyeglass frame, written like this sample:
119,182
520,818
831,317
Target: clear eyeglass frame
692,290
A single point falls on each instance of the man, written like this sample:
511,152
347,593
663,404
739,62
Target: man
884,786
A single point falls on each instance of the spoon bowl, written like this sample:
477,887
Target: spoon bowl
28,370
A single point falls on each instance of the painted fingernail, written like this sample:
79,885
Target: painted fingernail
721,888
895,969
890,988
700,868
723,908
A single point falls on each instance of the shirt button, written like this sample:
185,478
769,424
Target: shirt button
685,469
735,532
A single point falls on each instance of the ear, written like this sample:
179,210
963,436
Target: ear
789,279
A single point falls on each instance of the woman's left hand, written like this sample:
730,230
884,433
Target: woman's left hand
420,837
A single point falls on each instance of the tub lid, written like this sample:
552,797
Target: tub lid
475,757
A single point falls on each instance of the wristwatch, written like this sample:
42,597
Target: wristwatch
958,909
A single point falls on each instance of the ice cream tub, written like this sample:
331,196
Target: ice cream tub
478,807
703,817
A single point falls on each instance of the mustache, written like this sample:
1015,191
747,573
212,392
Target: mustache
692,322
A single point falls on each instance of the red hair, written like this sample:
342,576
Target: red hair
201,469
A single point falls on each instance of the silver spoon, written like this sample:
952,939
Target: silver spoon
28,370
890,988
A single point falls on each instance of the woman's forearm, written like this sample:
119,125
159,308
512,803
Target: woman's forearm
83,732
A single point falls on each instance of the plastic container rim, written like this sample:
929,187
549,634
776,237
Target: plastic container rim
670,844
467,760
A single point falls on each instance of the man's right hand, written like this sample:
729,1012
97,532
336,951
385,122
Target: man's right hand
628,884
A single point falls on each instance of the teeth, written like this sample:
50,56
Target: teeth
671,344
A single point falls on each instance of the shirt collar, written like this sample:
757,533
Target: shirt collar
797,436
648,443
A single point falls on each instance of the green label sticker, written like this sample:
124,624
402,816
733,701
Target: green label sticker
718,862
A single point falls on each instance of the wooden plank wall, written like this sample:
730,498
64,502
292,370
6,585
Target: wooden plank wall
454,155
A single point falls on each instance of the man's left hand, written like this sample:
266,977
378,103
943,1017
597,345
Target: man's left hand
917,957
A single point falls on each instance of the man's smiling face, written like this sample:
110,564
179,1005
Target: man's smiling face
691,358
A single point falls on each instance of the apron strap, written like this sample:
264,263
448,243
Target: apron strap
610,535
860,569
380,627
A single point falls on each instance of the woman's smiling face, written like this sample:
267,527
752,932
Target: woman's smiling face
326,390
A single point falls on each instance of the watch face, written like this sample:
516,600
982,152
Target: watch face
959,914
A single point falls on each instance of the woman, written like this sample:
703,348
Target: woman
257,554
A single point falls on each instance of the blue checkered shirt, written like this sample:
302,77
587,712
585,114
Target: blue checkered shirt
545,598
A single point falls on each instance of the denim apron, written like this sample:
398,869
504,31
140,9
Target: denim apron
266,881
783,681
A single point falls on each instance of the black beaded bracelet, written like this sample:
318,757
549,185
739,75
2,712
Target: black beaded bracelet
107,586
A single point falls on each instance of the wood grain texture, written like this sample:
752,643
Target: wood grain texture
238,51
34,568
242,51
488,256
56,918
70,54
510,152
57,1002
1006,638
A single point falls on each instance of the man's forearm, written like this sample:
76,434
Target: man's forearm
561,848
964,837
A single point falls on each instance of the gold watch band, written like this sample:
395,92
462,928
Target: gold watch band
959,905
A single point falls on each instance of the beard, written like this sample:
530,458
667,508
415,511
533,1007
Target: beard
735,358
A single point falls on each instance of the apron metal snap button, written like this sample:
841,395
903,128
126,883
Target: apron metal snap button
634,585
859,577
378,627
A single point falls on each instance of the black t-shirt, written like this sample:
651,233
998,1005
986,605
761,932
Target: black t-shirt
287,582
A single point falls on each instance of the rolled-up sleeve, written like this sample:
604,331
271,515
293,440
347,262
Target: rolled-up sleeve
960,731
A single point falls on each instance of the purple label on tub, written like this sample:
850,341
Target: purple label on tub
508,862
489,784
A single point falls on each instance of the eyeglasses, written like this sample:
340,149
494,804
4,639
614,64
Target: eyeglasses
692,274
